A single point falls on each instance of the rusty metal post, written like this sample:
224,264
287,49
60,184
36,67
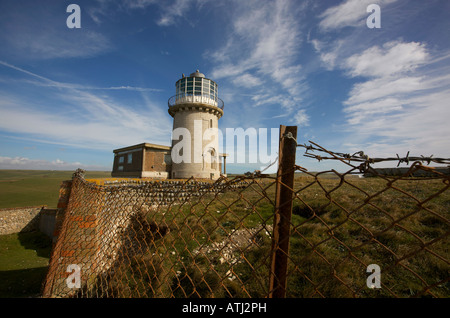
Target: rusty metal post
283,211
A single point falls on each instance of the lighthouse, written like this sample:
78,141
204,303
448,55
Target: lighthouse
196,109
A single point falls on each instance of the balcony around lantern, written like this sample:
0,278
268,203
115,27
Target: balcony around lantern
197,98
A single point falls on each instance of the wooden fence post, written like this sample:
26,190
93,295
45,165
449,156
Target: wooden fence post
283,212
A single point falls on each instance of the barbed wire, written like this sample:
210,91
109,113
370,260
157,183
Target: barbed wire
194,238
259,173
363,158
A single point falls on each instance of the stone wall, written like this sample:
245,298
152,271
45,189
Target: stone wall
63,201
47,221
96,218
27,219
23,219
403,171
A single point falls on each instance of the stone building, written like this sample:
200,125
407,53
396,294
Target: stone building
196,109
142,161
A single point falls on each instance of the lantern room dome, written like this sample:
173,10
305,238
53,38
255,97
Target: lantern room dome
197,74
195,89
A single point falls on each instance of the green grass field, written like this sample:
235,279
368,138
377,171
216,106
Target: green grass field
24,256
20,188
23,263
335,229
338,228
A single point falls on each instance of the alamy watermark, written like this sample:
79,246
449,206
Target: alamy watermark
249,145
74,279
374,19
74,19
374,279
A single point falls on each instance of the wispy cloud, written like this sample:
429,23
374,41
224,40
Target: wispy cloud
398,100
261,52
46,82
401,102
394,57
84,119
301,118
138,4
101,9
41,164
170,13
348,13
247,80
40,33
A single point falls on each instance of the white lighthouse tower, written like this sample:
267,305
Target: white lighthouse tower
196,109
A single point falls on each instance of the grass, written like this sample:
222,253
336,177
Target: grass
24,260
20,188
338,228
24,256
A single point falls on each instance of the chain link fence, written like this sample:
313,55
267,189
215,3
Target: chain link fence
341,224
343,235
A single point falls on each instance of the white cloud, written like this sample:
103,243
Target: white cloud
261,52
60,45
328,56
138,4
171,13
404,101
83,119
247,80
268,37
392,58
384,87
93,123
46,82
101,9
40,33
358,113
301,118
40,164
420,127
390,71
398,102
348,13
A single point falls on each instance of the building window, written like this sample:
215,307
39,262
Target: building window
213,159
167,159
120,168
189,86
121,159
130,158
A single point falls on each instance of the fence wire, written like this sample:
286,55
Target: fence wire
196,238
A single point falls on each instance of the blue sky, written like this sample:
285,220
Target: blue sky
68,97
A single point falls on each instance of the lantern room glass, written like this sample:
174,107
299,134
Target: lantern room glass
196,86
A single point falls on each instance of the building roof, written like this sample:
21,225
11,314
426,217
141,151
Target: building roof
197,74
143,145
